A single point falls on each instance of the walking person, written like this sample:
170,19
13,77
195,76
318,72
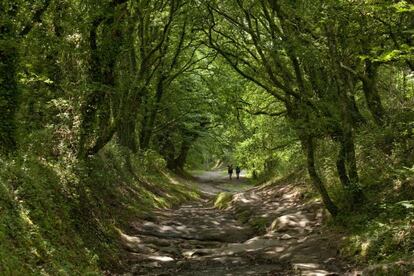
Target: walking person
230,170
238,172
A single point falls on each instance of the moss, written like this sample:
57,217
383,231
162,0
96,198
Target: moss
223,200
59,217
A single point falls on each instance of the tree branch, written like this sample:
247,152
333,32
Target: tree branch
37,18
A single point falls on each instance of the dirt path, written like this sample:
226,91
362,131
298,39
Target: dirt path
267,231
214,182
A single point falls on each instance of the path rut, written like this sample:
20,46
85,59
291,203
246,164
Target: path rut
267,231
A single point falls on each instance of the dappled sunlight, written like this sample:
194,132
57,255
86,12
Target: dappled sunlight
291,195
198,235
170,178
112,111
310,269
246,198
277,249
129,239
160,258
295,221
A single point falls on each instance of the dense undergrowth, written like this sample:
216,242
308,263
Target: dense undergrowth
270,86
383,231
62,217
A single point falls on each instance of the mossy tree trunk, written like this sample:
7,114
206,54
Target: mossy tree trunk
309,147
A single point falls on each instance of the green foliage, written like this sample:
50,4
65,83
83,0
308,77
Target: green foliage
260,223
61,218
383,233
100,99
37,231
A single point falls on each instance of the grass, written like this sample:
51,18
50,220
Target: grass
60,216
237,186
223,200
379,234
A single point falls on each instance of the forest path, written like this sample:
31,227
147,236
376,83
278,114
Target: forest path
267,231
210,183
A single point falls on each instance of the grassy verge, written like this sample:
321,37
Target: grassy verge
380,236
60,216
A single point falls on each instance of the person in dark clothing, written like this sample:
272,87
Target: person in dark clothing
238,172
230,170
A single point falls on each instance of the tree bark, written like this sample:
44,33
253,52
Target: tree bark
347,158
9,95
348,145
308,145
97,107
341,168
149,120
126,130
346,163
371,94
9,58
95,98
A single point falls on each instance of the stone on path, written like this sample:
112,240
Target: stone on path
197,239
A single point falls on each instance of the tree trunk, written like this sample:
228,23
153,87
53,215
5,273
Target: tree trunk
356,115
96,97
347,159
102,140
372,97
10,37
167,149
341,168
97,107
346,163
179,162
149,119
308,145
350,161
126,130
9,94
128,117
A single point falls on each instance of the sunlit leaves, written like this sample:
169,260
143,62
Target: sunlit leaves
403,6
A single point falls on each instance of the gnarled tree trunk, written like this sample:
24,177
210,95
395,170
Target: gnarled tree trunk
308,145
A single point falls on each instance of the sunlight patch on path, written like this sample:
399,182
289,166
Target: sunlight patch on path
280,235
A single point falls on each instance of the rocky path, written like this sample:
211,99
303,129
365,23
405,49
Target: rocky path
266,231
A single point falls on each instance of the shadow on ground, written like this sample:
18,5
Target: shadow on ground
266,231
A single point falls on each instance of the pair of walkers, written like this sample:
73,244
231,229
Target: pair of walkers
230,171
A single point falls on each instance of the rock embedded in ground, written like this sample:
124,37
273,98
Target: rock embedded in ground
197,239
